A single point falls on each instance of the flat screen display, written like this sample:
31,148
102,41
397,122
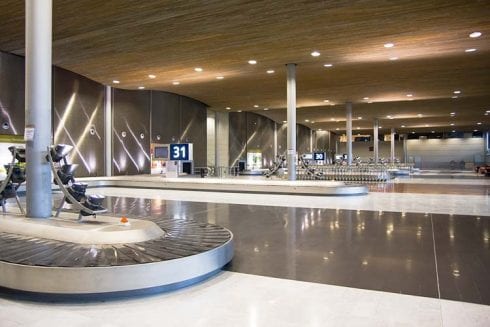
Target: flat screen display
161,152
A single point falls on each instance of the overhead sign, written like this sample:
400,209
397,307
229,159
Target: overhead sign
318,155
181,151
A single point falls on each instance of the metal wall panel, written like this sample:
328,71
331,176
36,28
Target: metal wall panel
302,139
237,137
78,120
12,84
131,132
165,117
282,139
260,136
193,128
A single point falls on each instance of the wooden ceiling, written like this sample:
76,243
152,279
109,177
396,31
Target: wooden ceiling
127,40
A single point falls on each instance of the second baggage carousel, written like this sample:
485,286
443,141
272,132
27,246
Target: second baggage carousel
246,185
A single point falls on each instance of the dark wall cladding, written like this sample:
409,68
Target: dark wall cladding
131,132
253,132
165,107
302,139
260,137
12,105
78,120
193,128
178,119
237,142
282,139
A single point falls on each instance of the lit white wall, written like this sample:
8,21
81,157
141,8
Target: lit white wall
438,153
211,138
222,139
361,149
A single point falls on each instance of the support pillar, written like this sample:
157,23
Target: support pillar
392,144
38,106
291,113
376,140
108,131
348,131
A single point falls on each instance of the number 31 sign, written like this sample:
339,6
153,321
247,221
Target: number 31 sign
181,151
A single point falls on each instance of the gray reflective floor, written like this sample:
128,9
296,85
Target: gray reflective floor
408,253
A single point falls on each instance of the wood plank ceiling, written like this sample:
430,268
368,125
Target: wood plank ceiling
128,40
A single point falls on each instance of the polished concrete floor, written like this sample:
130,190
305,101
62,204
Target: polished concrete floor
384,259
432,255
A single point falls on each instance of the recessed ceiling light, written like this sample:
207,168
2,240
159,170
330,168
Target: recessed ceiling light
358,128
256,105
227,108
198,69
326,100
426,125
452,124
457,92
337,129
454,97
320,129
328,65
152,76
307,120
479,123
366,98
470,50
419,115
175,82
380,127
409,95
315,53
266,109
389,45
312,121
239,110
284,121
475,34
359,117
452,113
403,126
433,131
252,62
332,119
116,81
413,132
475,130
388,116
393,58
270,71
454,131
141,87
220,77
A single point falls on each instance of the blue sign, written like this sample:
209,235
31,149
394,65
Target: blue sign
181,151
319,156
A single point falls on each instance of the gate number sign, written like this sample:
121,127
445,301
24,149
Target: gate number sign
181,151
319,156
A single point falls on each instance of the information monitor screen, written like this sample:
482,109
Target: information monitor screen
161,152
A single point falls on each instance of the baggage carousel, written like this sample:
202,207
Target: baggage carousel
185,252
242,185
